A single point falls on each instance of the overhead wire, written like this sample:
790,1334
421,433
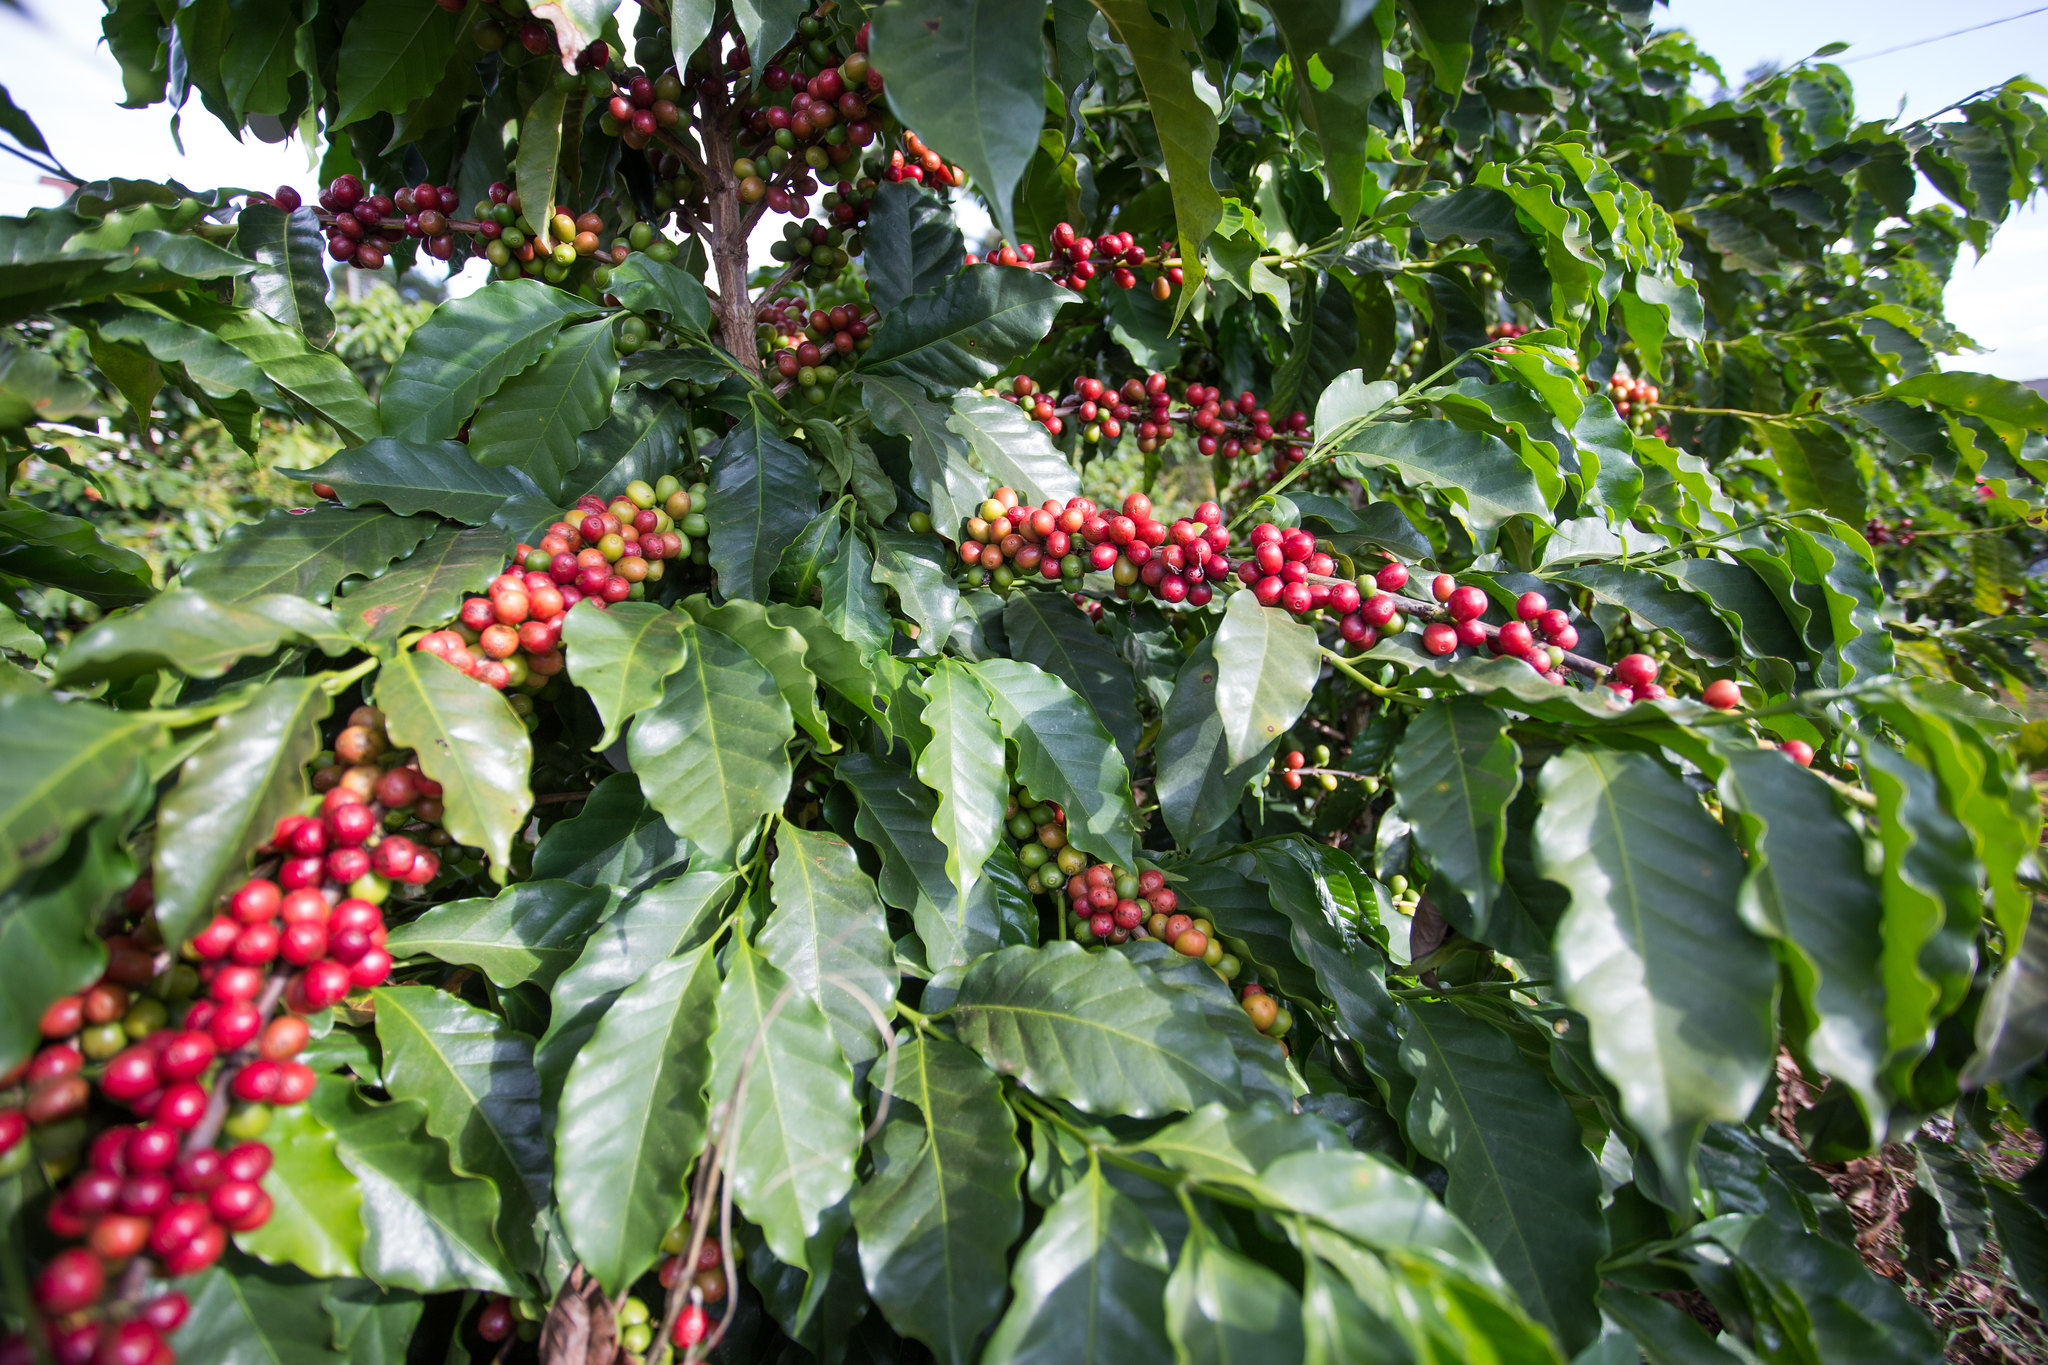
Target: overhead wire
1942,37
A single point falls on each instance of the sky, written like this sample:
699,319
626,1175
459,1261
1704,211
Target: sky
55,68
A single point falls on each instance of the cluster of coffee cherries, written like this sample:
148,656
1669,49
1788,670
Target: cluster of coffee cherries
916,162
1288,568
706,1277
511,637
1224,426
1120,255
1506,331
1006,543
1267,1014
362,225
818,250
1296,768
812,341
1632,395
1519,638
1878,531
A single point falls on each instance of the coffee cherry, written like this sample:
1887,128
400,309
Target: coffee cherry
691,1324
71,1281
1439,638
1442,587
1799,751
1723,694
1466,604
1636,670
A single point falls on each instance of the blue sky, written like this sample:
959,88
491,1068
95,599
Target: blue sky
52,62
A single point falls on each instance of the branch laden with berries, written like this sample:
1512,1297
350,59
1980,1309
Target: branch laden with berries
1376,727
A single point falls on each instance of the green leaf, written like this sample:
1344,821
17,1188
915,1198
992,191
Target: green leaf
968,73
712,754
1520,1177
1087,1285
763,494
781,649
302,552
539,157
1090,1028
641,440
1808,890
848,595
290,283
49,946
646,285
536,418
2012,1026
1064,755
229,796
79,760
968,329
1669,1334
1651,597
468,740
1184,124
1012,449
1048,631
1443,30
1999,401
897,815
633,1118
1223,1307
65,552
375,1326
1821,1299
616,838
466,348
1479,477
528,932
830,658
828,935
392,53
667,918
475,1077
419,476
185,631
1456,772
913,245
795,1130
621,656
1266,669
425,1228
940,470
1261,1070
915,567
246,1313
318,1224
425,588
1198,785
963,764
937,1219
2023,1239
1336,111
1653,950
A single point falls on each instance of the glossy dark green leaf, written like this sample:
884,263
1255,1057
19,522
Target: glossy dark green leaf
963,765
1651,597
49,946
667,918
828,934
1337,109
229,796
425,588
642,440
318,1223
621,656
290,283
780,648
1198,785
409,477
646,285
2012,1026
529,932
247,1313
964,332
392,53
897,815
1653,950
1816,467
941,471
712,754
850,597
1666,1333
425,1228
937,1218
375,1326
1261,1069
1822,1299
763,494
1089,1028
1456,771
1012,449
912,243
198,637
2023,1237
1223,1307
1047,630
302,552
78,759
475,1077
633,1118
1087,1286
1064,755
616,838
795,1129
536,419
469,740
65,552
915,567
465,349
1478,476
831,659
1807,888
1520,1177
1267,664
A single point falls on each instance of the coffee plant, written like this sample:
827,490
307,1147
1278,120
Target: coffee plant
1383,731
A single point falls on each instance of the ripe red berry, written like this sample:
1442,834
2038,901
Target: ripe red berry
1723,694
1439,638
1466,604
1392,577
256,900
166,1312
349,825
1514,638
323,984
1799,751
72,1280
1636,670
1531,606
233,1025
201,1251
1442,587
690,1327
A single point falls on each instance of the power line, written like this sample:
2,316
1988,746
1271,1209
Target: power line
1940,37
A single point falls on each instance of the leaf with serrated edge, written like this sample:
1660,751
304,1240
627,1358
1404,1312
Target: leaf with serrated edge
1266,668
937,1219
828,934
475,1077
1653,950
793,1135
1087,1286
620,656
229,796
963,765
1457,771
528,932
712,755
1091,1029
469,740
1064,755
632,1118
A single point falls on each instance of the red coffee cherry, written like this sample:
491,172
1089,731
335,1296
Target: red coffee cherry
72,1280
1723,694
1636,670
